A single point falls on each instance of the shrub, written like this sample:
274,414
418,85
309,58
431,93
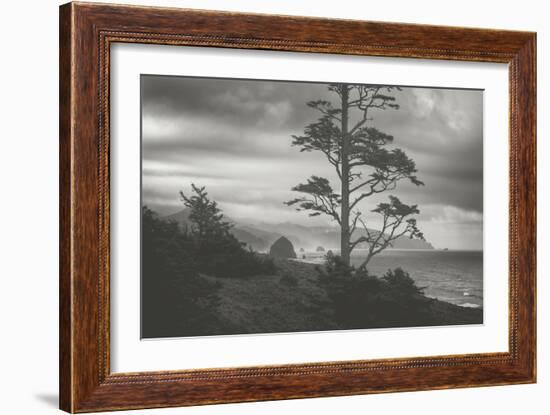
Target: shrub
226,257
334,267
176,300
361,300
400,281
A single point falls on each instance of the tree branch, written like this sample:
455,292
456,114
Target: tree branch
320,198
394,215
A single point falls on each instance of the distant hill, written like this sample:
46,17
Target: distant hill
405,242
256,239
181,217
255,242
310,237
261,236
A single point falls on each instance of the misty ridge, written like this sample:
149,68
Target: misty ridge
204,273
260,236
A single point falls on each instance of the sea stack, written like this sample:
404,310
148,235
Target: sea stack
282,248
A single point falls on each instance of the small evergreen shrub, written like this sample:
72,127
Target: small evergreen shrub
401,282
362,300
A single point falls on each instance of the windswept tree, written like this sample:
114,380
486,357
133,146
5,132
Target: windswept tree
365,165
207,220
214,248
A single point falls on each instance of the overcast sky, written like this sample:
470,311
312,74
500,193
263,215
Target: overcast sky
234,137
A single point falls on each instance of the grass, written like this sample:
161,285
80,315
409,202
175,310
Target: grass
296,300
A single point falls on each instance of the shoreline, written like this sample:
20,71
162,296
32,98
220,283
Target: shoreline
268,304
462,296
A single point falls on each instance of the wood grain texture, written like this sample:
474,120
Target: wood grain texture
86,33
65,248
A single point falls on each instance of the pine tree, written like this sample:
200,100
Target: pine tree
207,220
365,166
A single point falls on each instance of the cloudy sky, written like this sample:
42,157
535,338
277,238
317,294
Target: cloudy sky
234,137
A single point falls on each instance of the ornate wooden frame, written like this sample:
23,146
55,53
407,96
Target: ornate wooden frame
86,33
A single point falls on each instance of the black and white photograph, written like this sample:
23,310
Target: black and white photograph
274,206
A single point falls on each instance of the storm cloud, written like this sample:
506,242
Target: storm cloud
234,137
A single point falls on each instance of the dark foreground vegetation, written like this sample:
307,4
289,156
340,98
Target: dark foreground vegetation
184,294
199,280
361,300
177,300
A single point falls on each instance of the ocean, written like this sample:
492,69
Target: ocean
452,276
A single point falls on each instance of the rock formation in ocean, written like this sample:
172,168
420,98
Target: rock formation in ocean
282,248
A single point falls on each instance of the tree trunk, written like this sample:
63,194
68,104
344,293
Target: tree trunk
344,213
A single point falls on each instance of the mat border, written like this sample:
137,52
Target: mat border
87,30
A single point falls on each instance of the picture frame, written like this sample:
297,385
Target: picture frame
87,32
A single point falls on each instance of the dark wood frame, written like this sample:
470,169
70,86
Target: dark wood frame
86,33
